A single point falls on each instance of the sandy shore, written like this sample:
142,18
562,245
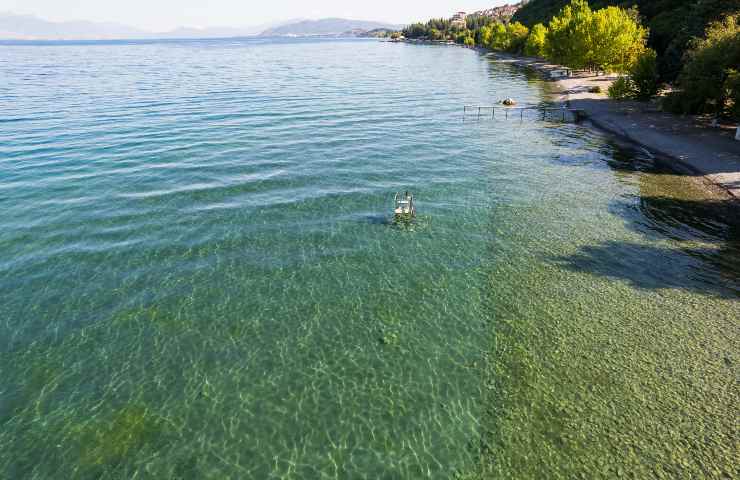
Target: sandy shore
685,143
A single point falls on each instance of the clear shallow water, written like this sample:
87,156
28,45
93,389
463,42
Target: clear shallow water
198,278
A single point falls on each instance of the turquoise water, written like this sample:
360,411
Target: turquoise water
199,278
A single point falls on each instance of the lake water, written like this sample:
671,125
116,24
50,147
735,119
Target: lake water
198,277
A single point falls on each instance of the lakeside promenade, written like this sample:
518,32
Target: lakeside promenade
684,144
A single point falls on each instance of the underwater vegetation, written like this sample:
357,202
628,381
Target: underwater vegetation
403,220
105,442
204,281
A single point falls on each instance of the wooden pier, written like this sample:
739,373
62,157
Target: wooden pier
556,113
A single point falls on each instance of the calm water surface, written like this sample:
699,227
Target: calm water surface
198,278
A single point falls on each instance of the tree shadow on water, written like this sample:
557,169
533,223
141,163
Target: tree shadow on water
709,220
627,158
705,259
650,267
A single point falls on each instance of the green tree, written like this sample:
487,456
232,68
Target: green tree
535,44
709,80
609,39
476,22
509,38
517,37
567,38
615,39
483,36
416,30
498,39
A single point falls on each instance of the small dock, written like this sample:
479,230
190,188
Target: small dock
562,114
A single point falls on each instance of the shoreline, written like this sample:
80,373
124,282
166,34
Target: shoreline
710,155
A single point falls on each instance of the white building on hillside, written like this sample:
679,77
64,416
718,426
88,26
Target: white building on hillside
458,20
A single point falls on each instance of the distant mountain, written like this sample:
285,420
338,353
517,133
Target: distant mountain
377,33
223,32
28,27
328,26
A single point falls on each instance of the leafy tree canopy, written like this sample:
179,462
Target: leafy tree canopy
672,23
535,44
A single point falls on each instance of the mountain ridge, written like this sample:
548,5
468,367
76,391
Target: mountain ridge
328,26
29,27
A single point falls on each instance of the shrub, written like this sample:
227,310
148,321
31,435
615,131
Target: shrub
732,93
709,80
622,89
644,75
672,102
642,81
595,89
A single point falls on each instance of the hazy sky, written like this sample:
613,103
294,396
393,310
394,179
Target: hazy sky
167,14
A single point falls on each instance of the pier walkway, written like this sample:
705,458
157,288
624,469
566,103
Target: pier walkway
564,114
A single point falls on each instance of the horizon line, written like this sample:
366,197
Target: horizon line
266,24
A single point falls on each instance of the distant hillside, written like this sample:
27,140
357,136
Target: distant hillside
502,13
328,26
377,33
28,27
672,23
222,32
